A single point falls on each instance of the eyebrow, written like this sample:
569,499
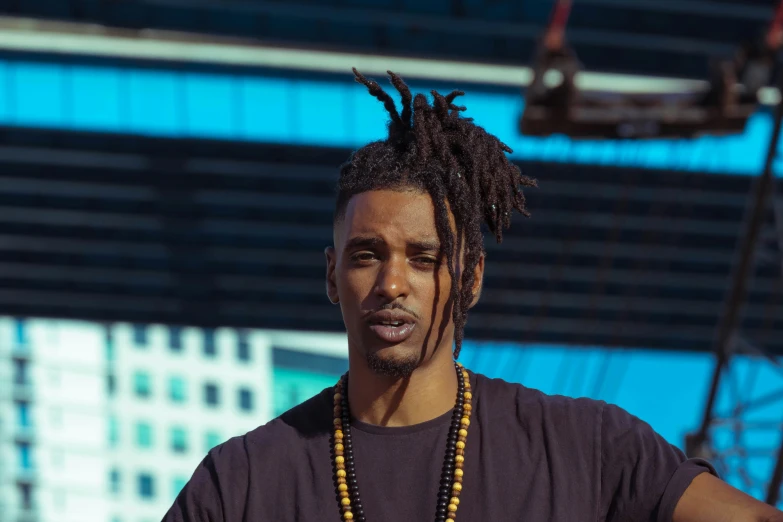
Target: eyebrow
363,242
372,241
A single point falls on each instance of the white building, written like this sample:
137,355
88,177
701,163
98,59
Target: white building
108,423
53,407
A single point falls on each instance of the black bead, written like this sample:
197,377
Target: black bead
441,512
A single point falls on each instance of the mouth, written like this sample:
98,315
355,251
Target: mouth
392,326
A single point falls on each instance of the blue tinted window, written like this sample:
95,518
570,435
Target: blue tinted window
211,439
25,495
211,394
146,485
114,481
25,455
243,347
21,372
109,344
143,435
245,399
111,384
179,439
177,485
140,337
177,389
23,414
142,384
175,339
20,331
210,348
114,431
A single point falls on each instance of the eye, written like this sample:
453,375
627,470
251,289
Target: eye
426,261
363,257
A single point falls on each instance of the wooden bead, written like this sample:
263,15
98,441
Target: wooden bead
344,494
451,515
460,451
345,501
338,423
462,433
457,479
339,466
341,480
462,439
460,445
458,465
338,397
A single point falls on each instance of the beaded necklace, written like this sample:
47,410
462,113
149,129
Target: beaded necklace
345,482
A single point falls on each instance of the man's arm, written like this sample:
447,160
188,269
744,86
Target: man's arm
709,499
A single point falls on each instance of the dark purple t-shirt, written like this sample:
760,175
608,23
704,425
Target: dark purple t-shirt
530,457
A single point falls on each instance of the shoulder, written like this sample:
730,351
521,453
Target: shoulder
279,438
532,406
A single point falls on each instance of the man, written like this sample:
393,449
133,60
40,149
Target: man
406,435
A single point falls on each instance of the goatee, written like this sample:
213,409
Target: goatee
401,368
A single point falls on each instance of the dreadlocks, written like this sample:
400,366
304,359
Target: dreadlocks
461,166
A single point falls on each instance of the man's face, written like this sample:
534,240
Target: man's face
387,272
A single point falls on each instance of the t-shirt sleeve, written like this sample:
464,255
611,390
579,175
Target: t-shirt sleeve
642,475
200,500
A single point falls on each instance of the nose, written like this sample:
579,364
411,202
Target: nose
392,282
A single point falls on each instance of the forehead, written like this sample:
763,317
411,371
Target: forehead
391,214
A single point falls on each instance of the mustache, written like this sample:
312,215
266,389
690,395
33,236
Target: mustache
394,306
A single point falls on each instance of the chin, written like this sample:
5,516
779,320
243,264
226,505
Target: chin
398,365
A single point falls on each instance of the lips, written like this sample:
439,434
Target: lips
392,326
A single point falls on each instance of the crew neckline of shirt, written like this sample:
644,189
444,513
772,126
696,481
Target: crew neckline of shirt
439,421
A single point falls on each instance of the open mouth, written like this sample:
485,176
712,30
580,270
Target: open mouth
392,326
393,332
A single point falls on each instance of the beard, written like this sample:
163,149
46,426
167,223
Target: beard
395,367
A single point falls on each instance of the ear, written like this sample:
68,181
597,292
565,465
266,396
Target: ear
478,281
331,282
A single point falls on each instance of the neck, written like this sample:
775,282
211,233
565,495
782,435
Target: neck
428,393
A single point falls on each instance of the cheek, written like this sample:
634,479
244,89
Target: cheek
355,284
